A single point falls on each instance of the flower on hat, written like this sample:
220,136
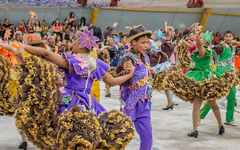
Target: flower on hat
159,34
207,37
117,40
87,39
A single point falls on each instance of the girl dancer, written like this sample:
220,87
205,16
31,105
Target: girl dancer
208,87
39,96
226,52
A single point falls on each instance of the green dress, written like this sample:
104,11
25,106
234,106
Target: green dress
200,81
200,68
224,64
226,59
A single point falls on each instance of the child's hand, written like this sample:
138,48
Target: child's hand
167,34
231,41
198,29
19,52
128,66
131,68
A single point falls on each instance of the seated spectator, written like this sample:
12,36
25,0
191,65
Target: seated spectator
38,28
5,26
73,30
58,43
49,33
74,24
22,27
66,34
16,29
66,24
44,37
82,22
59,38
44,27
72,17
57,27
30,28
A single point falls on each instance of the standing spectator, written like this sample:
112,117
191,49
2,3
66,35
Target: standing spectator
37,27
57,27
72,17
5,26
22,27
82,22
217,38
44,27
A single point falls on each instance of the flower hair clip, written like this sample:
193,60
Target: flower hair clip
87,39
207,37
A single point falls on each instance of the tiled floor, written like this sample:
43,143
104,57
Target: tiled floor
170,128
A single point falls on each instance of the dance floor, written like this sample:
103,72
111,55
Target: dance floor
170,128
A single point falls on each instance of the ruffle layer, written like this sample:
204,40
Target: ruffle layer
117,130
7,100
74,129
104,56
210,89
182,55
112,71
216,88
182,86
158,78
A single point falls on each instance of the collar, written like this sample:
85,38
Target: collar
133,51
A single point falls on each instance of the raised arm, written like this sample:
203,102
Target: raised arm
185,32
199,45
234,42
188,44
167,48
55,58
109,30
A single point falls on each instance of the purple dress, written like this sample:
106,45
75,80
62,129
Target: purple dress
79,83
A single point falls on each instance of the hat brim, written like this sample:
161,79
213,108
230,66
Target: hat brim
137,35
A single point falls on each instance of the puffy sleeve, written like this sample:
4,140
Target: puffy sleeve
209,53
167,49
101,70
72,63
218,48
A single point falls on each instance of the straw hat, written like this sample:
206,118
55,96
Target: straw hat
32,39
137,31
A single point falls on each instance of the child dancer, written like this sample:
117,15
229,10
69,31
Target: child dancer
226,52
136,92
208,87
81,69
